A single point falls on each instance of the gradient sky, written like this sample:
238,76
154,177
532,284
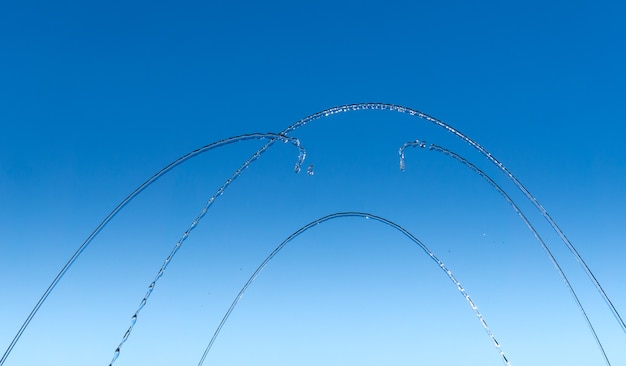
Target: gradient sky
97,97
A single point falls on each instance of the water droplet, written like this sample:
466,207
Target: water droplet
423,144
296,168
116,354
309,170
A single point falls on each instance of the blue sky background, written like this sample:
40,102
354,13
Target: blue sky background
97,97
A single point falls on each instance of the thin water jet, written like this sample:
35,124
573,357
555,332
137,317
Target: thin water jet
366,216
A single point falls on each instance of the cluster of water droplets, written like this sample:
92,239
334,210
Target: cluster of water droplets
416,143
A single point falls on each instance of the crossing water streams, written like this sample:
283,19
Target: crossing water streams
285,136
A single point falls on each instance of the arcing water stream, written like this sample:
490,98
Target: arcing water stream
283,136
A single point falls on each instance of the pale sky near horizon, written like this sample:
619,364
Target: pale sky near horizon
97,97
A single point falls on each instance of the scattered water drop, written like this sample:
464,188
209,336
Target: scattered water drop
309,170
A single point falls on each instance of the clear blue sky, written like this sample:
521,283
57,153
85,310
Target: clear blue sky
97,97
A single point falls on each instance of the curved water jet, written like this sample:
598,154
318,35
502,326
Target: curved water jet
368,216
